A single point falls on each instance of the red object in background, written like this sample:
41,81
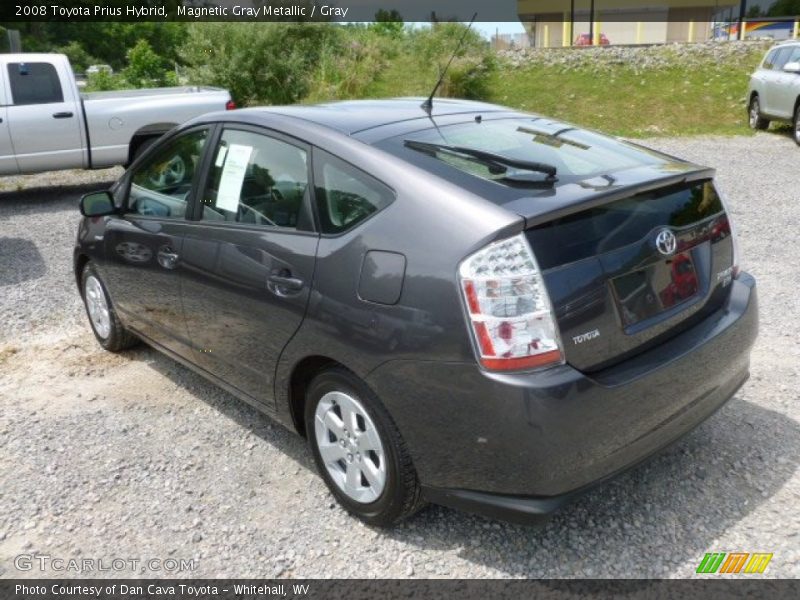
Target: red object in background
584,39
230,105
683,284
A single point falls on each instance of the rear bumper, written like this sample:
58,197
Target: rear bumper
520,446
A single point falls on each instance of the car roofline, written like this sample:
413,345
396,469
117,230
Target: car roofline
442,106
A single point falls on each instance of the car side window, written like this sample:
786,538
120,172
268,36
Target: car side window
34,83
258,180
345,195
160,186
781,58
794,56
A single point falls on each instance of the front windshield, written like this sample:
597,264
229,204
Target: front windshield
574,152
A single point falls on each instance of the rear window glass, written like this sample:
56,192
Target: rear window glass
607,228
34,83
575,153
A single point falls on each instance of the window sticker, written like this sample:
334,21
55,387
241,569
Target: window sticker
223,151
230,185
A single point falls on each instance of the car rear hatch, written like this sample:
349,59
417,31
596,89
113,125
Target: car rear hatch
635,266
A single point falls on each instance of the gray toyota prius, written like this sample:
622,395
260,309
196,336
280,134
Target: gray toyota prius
459,303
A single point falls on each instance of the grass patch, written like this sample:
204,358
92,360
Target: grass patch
665,102
690,96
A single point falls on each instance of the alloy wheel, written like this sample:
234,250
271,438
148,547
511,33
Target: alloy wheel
97,306
350,447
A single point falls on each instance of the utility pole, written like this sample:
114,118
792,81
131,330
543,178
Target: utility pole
591,23
571,22
14,41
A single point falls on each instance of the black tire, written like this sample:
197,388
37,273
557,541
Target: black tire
401,493
755,120
796,125
118,338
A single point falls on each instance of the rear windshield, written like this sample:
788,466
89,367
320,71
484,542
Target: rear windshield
606,228
575,153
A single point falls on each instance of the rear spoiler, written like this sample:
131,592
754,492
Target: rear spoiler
570,198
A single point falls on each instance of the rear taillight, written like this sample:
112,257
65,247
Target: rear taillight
230,105
734,238
508,308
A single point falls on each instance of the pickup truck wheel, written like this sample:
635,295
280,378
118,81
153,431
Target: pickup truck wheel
359,451
796,125
106,326
756,121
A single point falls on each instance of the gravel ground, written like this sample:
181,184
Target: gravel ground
133,456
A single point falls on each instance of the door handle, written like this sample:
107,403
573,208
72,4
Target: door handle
62,115
286,281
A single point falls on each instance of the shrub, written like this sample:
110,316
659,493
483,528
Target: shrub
472,67
350,62
103,81
259,63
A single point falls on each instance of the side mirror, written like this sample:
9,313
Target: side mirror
792,67
97,204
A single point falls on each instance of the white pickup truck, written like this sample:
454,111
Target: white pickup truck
46,124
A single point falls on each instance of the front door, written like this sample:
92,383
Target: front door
143,247
788,89
249,258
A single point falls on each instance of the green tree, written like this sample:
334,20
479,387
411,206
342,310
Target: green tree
78,57
388,23
145,67
784,8
108,42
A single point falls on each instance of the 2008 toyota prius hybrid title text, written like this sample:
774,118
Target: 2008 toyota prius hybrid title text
461,304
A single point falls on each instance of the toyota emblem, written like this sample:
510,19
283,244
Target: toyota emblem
666,242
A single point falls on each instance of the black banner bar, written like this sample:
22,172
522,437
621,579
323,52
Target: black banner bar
573,11
356,589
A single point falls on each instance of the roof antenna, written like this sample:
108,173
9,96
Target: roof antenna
427,106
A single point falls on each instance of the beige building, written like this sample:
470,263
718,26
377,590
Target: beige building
552,23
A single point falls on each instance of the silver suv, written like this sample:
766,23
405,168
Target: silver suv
774,93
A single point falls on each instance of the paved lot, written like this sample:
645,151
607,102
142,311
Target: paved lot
133,456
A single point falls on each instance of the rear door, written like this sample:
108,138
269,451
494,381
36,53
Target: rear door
249,257
43,116
626,275
142,248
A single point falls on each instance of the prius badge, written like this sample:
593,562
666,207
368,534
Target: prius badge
666,242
